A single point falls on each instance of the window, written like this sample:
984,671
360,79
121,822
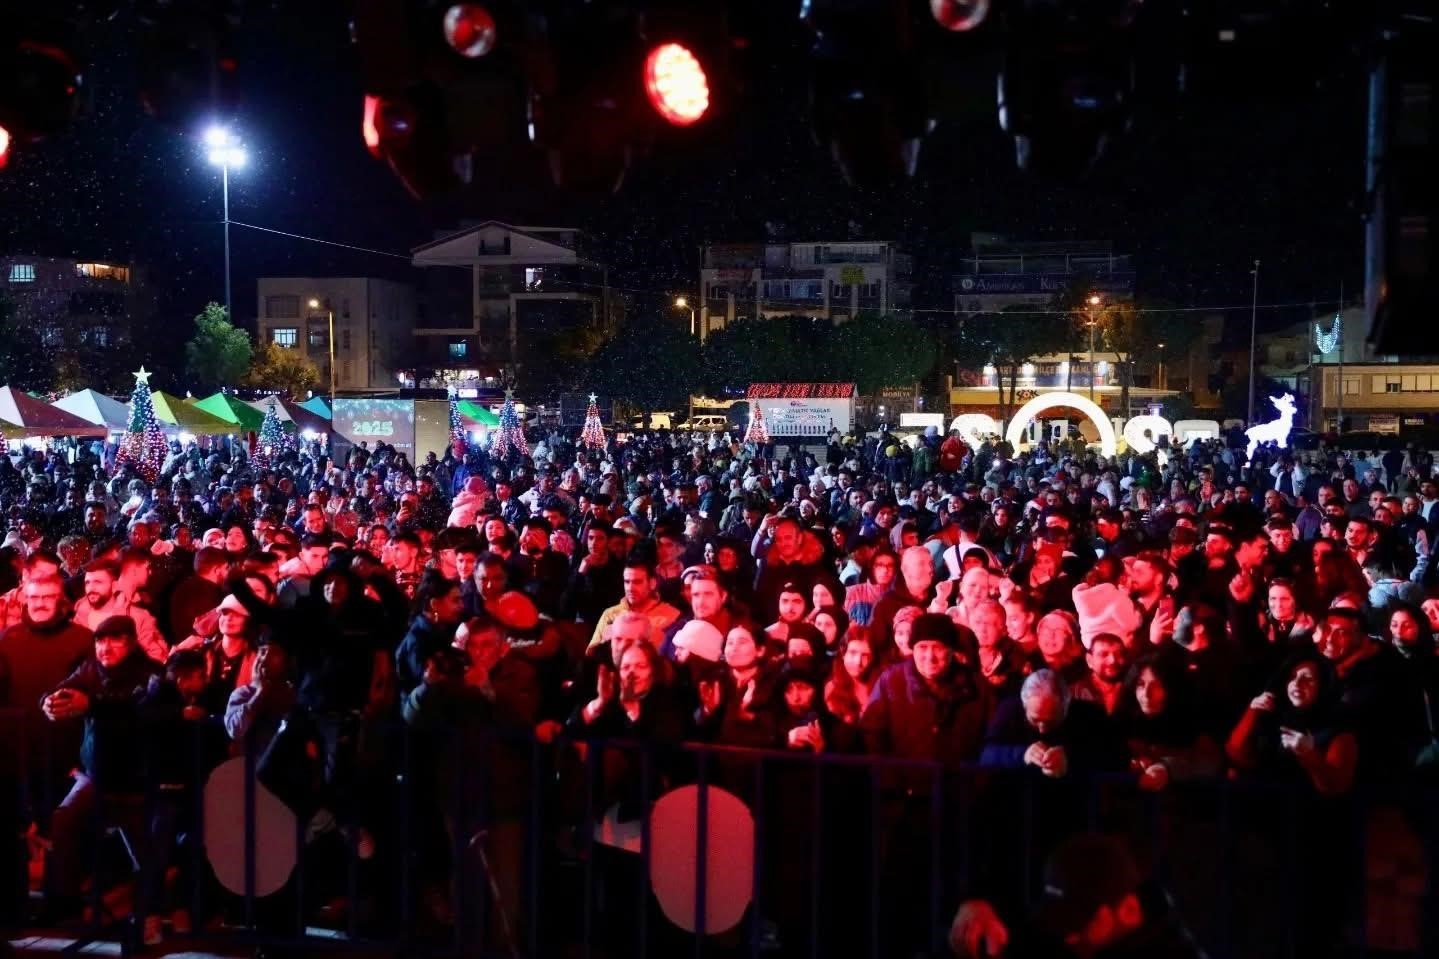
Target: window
459,349
286,336
1407,383
1352,386
534,278
1385,383
1421,383
99,336
285,307
22,273
319,337
345,340
103,271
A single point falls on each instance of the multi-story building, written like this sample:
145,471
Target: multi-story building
373,322
999,274
504,302
76,304
827,280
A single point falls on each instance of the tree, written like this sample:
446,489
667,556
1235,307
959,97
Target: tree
1133,330
880,351
274,367
24,363
143,444
1008,340
651,365
754,351
219,353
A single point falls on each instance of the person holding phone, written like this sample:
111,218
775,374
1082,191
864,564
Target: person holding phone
1293,730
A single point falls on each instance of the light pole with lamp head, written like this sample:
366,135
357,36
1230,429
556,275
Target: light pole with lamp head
1094,300
330,315
225,151
683,303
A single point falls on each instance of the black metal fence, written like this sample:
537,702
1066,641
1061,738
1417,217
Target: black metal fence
468,844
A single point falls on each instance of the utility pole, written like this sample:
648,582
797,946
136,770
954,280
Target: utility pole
1253,325
1339,322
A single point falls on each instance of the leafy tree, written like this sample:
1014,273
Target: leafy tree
755,351
1008,340
1129,330
276,368
24,363
882,351
650,364
219,353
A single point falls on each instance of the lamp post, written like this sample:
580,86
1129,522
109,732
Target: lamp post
1253,314
1161,366
683,303
225,151
330,315
1094,300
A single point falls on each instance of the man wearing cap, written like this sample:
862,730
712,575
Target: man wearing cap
107,689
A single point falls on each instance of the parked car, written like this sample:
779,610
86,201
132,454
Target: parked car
705,423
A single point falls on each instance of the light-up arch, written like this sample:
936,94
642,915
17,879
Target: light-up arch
974,427
1155,426
1108,443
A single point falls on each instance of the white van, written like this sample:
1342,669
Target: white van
705,424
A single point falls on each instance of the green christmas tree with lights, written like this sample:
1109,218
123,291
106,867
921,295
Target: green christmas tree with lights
757,433
592,434
272,443
510,434
143,446
459,442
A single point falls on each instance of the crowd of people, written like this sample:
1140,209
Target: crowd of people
1175,617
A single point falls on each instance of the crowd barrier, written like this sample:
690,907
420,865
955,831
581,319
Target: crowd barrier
526,848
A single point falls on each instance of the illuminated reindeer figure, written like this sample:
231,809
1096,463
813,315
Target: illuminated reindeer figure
1275,431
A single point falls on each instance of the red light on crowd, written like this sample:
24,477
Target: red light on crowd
676,84
469,30
4,147
369,128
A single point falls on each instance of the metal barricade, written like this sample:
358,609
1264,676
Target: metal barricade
503,846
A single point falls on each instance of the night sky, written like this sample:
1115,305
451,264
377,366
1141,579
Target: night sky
1196,193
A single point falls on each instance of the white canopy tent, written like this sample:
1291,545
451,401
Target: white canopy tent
96,408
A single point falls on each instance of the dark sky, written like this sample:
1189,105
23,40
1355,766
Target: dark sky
1196,194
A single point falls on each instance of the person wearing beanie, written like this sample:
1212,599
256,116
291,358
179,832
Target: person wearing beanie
698,639
930,707
1105,608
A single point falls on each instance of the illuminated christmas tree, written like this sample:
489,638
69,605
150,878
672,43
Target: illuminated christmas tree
458,441
272,443
593,434
757,433
510,434
143,445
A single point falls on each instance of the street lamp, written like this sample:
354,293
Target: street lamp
1161,366
1094,300
330,314
683,303
225,151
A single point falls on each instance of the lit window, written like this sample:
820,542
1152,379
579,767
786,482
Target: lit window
286,336
459,350
319,337
22,273
103,271
534,278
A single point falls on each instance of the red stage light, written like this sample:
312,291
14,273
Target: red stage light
676,84
470,30
369,127
4,147
959,15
